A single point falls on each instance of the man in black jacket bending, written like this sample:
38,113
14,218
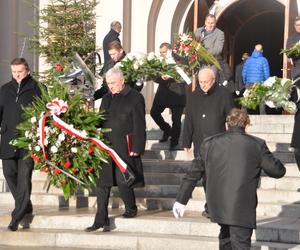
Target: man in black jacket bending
232,162
20,91
170,94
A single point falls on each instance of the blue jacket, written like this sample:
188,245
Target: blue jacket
256,68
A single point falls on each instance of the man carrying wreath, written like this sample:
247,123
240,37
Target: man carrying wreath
125,109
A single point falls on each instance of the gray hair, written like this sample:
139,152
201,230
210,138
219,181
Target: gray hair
115,25
115,71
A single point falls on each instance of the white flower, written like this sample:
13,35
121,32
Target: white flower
246,93
37,148
184,37
61,137
270,81
270,104
136,65
53,149
74,150
290,107
129,56
84,133
33,120
46,142
151,56
29,147
27,133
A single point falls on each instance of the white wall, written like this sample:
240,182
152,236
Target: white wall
106,12
140,14
163,27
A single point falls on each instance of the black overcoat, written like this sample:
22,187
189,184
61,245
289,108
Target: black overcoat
112,35
205,115
11,102
232,162
125,116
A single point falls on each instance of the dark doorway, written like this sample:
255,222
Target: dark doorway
266,29
248,22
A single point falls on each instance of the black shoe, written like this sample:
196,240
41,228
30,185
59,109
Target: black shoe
173,145
165,137
13,225
93,228
130,214
26,221
205,214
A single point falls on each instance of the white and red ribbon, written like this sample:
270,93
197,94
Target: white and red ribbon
56,108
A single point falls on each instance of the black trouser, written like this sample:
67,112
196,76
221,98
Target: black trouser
177,111
18,173
103,192
234,237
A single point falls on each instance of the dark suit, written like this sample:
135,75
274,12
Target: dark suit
232,162
125,116
17,171
170,94
205,115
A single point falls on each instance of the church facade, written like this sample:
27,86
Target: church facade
148,23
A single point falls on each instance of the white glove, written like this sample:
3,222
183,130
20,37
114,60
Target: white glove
178,209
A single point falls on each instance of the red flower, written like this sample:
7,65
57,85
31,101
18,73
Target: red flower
57,171
45,170
35,157
91,149
183,46
67,164
90,169
63,181
59,67
74,171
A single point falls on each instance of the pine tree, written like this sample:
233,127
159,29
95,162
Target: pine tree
65,27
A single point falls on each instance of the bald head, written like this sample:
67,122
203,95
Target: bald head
206,77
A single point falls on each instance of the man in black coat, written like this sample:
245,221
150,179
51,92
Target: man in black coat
112,35
206,111
169,94
20,91
239,84
125,109
232,162
291,41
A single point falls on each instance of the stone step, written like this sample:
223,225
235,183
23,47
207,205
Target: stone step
272,121
181,155
267,136
153,224
264,195
273,146
285,183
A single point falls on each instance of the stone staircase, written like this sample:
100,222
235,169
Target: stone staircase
59,224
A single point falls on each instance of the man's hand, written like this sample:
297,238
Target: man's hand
165,77
178,209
